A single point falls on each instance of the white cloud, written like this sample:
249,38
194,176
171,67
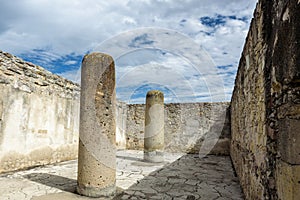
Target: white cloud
61,27
73,75
129,21
186,83
75,26
70,62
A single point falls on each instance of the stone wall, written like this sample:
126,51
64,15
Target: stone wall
121,125
39,115
39,119
265,105
186,126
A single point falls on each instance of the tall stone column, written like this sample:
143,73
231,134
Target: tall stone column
97,146
154,127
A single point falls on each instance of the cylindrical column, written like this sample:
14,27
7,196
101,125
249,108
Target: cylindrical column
97,146
154,127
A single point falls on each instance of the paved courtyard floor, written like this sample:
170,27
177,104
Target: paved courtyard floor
182,177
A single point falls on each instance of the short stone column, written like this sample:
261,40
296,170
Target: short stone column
97,137
154,127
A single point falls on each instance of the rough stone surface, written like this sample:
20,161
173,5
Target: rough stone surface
186,126
265,104
288,143
121,115
39,114
180,177
154,127
288,177
97,133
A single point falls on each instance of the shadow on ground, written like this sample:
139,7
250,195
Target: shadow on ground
189,178
55,181
130,158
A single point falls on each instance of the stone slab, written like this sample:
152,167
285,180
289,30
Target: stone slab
181,176
288,181
289,140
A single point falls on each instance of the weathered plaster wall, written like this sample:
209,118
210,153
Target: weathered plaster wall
121,125
265,104
39,115
186,126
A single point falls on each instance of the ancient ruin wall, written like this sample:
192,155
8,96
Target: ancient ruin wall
265,104
186,126
121,125
39,114
39,119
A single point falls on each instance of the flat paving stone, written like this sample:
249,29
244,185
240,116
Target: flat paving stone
180,176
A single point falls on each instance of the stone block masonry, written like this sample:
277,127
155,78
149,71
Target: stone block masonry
265,104
186,125
121,117
39,114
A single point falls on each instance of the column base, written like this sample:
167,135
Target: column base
96,192
154,156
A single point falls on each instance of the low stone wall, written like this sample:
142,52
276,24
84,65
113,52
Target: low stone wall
187,125
39,115
265,105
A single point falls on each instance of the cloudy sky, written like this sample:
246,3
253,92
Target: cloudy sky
187,48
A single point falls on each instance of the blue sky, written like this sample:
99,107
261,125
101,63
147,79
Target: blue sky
55,34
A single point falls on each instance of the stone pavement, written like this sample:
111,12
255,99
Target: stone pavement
182,176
